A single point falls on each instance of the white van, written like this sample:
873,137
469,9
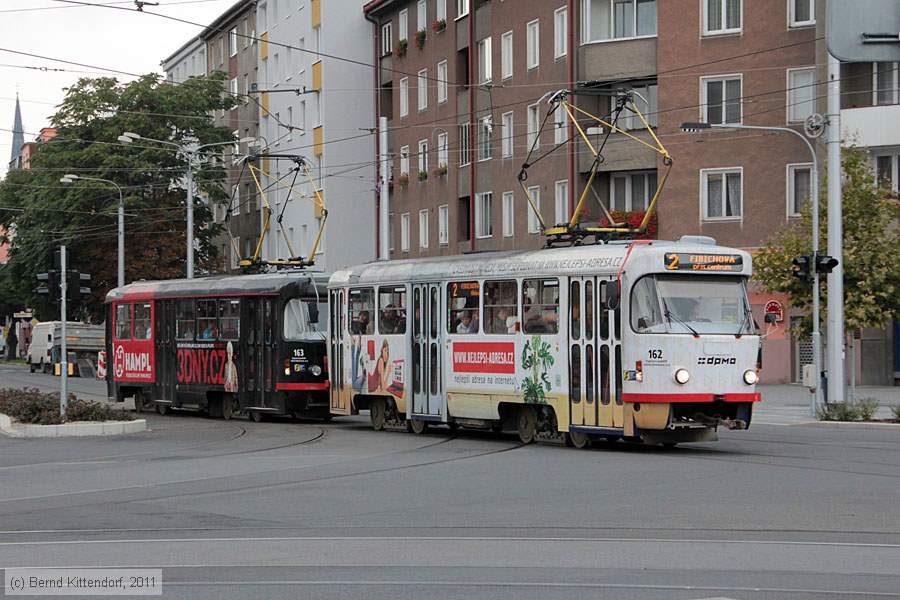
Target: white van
82,339
40,350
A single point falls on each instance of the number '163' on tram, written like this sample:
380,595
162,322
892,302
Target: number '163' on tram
650,341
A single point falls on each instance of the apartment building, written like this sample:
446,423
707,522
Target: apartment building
186,62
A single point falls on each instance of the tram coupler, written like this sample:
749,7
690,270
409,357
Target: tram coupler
718,421
733,423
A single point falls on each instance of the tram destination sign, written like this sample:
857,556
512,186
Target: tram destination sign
687,261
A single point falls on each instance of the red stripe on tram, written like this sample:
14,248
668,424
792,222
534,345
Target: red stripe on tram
302,386
650,398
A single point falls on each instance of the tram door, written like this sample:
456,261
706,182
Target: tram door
609,367
582,326
258,363
340,393
164,336
427,363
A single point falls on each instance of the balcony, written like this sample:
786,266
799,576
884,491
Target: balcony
871,125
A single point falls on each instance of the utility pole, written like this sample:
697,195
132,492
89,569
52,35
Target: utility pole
64,359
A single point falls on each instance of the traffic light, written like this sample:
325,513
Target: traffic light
801,265
48,284
77,285
825,264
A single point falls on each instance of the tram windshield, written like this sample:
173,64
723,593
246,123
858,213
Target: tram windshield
691,305
297,325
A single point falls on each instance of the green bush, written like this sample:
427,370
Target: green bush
896,410
867,408
35,407
839,411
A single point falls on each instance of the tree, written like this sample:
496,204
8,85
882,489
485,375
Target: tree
40,213
871,247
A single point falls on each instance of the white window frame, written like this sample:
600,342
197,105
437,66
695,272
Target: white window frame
533,44
387,38
533,126
627,202
506,55
792,13
465,151
423,156
484,215
462,8
404,232
422,89
391,245
421,15
646,98
792,171
485,61
704,95
485,139
443,225
560,125
443,150
534,224
509,214
236,254
404,97
441,10
442,82
893,90
235,200
561,196
560,32
507,145
721,28
423,229
232,42
607,25
800,94
705,176
404,160
403,25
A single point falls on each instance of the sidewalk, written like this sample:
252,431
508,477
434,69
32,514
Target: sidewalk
790,404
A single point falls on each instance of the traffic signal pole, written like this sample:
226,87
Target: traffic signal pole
64,359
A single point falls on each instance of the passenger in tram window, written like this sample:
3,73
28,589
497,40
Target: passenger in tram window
390,321
361,325
208,332
467,324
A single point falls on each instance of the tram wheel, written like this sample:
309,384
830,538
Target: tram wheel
162,408
453,425
139,402
227,407
327,418
256,416
526,424
416,426
579,439
376,414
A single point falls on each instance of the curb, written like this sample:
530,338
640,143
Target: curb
79,429
850,425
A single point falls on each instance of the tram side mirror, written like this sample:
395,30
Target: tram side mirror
612,295
770,318
313,312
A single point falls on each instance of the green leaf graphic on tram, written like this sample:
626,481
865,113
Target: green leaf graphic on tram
536,357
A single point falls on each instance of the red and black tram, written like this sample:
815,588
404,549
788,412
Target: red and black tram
252,344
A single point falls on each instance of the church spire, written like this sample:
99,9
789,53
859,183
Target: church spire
18,139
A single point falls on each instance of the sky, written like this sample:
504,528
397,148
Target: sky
104,34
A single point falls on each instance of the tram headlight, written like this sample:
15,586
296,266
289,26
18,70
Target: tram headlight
750,377
682,376
317,370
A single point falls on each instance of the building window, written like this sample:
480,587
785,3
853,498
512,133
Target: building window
441,7
887,88
560,32
506,142
404,160
421,18
506,55
616,19
423,229
404,232
290,123
442,82
721,193
632,191
562,201
484,215
404,97
485,138
560,125
721,16
403,24
443,225
391,245
799,188
534,224
721,99
532,44
803,12
387,40
423,158
484,61
423,89
534,125
801,94
236,253
509,215
646,99
232,41
442,150
234,87
235,200
462,8
465,156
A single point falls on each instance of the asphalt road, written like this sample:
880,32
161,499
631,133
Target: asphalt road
310,510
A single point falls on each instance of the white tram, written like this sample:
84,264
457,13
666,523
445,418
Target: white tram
651,341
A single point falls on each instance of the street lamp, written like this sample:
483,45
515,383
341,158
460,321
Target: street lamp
69,178
814,193
190,154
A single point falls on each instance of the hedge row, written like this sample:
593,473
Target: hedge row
39,408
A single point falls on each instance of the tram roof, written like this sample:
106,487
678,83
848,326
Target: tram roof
604,259
220,285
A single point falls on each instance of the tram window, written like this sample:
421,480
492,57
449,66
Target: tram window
123,321
645,313
184,321
501,311
540,303
462,298
604,374
589,310
361,305
575,310
206,320
230,319
296,319
392,310
433,313
142,328
604,314
417,320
